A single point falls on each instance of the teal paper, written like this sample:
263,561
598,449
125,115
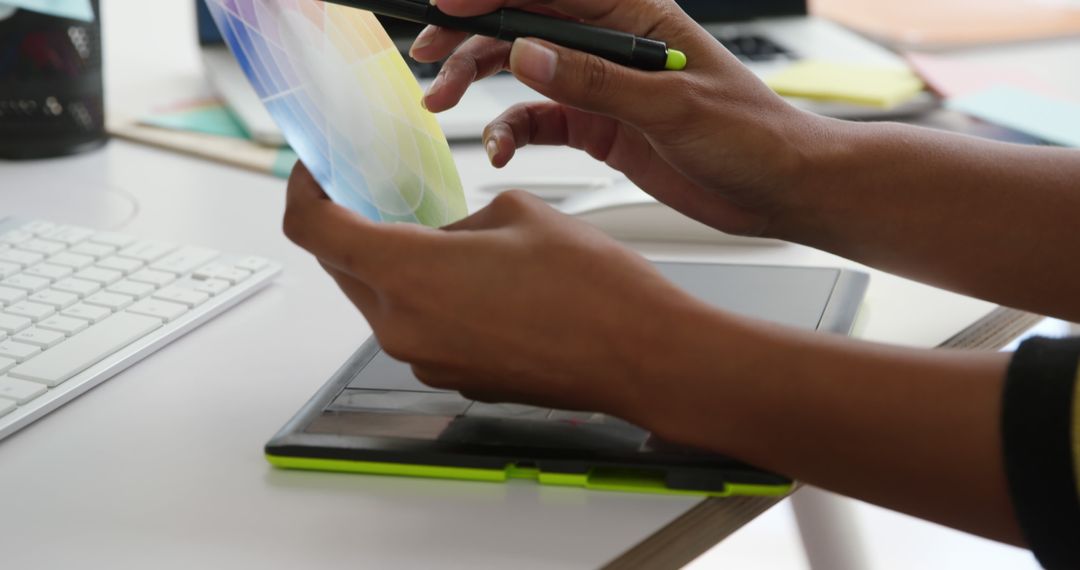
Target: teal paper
286,160
218,121
74,9
212,120
1054,120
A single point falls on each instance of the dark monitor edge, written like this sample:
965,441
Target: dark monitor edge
705,11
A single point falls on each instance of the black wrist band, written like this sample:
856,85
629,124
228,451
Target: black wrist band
1037,430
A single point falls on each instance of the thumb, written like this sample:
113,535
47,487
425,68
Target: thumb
588,82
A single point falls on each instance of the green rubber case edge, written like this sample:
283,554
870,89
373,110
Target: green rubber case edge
619,480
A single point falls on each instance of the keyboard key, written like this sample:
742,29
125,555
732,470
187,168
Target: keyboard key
38,227
147,251
69,235
86,349
132,288
233,276
91,313
113,239
185,260
183,296
12,324
754,48
222,272
20,258
160,309
80,287
26,282
15,237
19,391
8,269
17,351
95,250
111,301
6,407
124,265
54,298
209,271
213,286
10,295
6,364
44,247
99,275
32,311
39,337
72,260
49,271
155,278
253,264
61,324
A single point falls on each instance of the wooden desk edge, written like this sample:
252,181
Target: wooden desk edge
711,521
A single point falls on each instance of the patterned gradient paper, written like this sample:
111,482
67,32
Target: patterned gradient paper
348,105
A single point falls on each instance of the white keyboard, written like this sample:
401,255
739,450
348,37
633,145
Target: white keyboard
77,306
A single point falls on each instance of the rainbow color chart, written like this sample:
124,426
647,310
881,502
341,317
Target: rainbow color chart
348,105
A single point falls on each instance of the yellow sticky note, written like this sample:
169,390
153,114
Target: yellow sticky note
883,87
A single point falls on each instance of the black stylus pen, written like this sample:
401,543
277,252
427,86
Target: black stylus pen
509,24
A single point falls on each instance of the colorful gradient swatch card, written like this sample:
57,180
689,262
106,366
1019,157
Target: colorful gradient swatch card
348,105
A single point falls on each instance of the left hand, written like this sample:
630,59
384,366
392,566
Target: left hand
517,303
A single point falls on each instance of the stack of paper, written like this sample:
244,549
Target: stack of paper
951,77
74,9
881,87
205,129
1011,97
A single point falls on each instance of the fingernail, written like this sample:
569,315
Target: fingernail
533,61
436,84
427,35
492,148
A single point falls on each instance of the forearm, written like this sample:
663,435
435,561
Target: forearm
979,217
915,431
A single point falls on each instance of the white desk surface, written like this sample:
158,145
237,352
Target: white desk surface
161,467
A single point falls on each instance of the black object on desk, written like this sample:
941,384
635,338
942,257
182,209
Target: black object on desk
52,97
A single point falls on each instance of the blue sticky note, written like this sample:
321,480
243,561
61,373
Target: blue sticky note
74,9
1054,120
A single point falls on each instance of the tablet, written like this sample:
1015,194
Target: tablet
374,417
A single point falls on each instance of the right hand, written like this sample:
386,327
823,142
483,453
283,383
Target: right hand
711,141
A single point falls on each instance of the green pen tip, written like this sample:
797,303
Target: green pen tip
676,60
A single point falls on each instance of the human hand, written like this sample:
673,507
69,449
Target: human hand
517,303
711,141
